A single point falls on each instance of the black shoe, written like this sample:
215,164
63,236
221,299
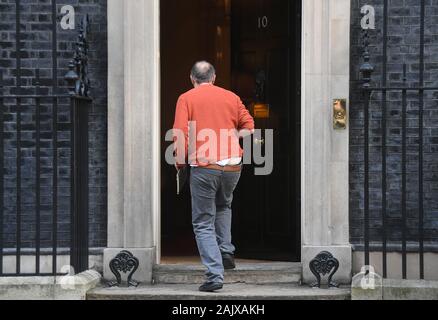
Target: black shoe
228,261
210,287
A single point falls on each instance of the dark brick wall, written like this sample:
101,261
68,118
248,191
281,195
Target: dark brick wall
404,40
36,32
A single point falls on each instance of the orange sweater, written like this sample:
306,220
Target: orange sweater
220,112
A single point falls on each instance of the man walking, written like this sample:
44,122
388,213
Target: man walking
204,114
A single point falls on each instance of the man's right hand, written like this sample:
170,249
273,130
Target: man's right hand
246,133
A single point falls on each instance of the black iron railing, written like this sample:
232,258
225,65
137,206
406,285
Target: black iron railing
415,91
47,132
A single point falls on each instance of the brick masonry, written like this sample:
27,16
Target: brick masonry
403,47
36,35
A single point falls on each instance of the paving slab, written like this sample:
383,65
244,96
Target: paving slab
230,292
250,273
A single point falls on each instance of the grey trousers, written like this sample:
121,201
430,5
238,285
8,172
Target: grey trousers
212,196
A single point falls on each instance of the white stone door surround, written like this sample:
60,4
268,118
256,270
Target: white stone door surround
325,152
134,157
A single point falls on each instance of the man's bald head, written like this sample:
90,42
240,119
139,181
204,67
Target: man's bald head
203,72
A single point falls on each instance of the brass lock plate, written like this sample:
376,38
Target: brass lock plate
340,114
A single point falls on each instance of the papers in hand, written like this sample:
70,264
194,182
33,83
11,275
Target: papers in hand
181,179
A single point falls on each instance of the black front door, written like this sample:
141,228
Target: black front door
255,46
266,74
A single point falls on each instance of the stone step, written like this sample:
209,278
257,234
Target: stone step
249,273
237,291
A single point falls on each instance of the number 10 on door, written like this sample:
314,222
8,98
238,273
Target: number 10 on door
263,22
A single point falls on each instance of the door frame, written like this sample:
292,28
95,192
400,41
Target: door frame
157,175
